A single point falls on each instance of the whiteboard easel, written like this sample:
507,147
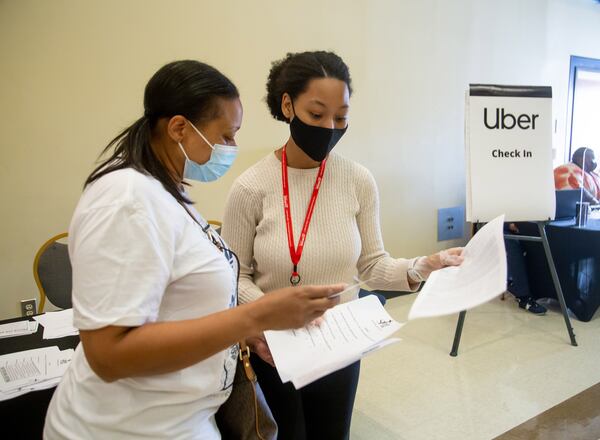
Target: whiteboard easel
508,140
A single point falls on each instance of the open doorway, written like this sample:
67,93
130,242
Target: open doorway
583,127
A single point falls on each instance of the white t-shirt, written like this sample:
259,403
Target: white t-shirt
139,258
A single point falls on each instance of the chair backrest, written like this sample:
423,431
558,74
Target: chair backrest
362,293
566,203
216,224
52,273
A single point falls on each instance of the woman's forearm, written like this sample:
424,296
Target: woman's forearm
163,347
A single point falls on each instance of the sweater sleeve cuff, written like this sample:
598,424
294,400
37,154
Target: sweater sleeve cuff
400,273
393,275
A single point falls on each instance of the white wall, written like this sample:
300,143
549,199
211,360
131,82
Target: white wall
73,72
574,29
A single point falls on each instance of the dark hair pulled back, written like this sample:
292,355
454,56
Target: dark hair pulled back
292,74
188,88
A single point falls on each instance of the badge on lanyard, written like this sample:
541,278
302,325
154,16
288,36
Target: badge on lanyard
296,253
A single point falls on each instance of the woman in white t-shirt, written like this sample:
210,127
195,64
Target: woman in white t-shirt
154,288
267,219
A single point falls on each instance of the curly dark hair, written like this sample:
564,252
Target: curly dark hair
292,74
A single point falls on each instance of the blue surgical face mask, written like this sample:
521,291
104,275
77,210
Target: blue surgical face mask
221,159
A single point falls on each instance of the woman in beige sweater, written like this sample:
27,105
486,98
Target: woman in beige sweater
332,205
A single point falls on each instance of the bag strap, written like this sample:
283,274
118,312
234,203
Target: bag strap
251,376
244,354
245,360
244,349
204,228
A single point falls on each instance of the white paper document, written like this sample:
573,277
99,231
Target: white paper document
348,332
18,328
32,370
480,278
57,324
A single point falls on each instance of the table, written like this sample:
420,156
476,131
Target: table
576,253
25,415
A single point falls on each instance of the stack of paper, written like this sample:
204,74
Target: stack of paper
57,324
347,332
32,370
594,215
18,328
480,278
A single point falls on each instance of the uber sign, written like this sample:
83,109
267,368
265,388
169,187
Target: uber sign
507,121
509,153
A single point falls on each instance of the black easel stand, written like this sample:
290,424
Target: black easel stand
559,293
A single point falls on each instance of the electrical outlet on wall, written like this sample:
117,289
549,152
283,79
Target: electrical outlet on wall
451,222
28,307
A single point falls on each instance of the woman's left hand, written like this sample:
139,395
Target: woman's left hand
258,344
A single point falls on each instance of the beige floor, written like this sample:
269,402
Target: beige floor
511,367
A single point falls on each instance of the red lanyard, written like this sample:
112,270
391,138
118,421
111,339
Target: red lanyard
296,254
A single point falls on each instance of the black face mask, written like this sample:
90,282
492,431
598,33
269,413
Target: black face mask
315,141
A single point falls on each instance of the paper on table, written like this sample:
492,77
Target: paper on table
348,332
18,328
480,278
31,370
594,215
57,324
50,383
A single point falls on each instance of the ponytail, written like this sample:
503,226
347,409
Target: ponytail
188,88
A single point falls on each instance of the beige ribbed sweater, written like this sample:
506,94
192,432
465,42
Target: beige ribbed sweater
343,240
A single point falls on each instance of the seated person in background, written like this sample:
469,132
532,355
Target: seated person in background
579,173
518,280
567,176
